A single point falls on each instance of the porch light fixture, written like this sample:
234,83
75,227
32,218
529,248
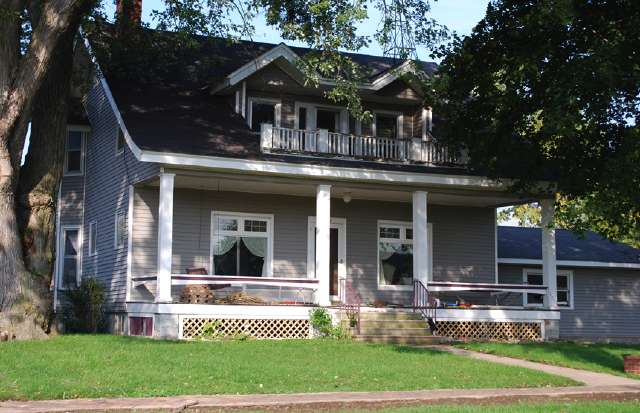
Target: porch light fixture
346,197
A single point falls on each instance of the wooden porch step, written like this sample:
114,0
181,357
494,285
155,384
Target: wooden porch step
392,339
393,323
396,315
403,332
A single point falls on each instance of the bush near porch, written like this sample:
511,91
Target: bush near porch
604,358
115,366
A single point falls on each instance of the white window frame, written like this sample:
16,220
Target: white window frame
60,261
120,151
568,273
277,109
241,217
93,238
399,122
312,115
84,134
403,225
119,214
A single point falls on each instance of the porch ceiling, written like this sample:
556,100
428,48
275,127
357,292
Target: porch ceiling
307,188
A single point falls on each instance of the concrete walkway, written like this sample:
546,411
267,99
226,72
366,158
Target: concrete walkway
589,378
597,386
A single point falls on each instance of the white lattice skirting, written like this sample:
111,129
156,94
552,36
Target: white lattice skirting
192,327
490,330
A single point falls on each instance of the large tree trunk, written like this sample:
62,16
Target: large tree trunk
41,172
21,307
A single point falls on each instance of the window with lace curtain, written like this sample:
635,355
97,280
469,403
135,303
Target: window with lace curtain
241,244
395,254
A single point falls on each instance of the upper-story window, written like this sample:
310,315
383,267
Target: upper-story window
119,141
74,151
263,111
387,125
120,237
312,116
328,119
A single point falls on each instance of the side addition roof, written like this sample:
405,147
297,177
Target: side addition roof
517,243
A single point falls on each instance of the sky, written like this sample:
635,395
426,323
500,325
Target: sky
458,15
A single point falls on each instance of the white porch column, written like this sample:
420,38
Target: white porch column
323,240
549,265
420,238
165,238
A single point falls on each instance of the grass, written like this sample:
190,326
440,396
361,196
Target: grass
568,407
604,358
115,366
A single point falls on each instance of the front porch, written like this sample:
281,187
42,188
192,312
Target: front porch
207,246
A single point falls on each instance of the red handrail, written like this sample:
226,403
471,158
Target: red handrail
350,301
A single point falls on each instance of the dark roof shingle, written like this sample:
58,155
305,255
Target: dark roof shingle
526,243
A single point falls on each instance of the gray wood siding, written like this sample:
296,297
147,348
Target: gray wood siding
107,180
606,302
71,200
463,249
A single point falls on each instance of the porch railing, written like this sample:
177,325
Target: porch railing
350,302
425,304
321,141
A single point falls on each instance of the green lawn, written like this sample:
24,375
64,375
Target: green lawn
572,407
605,358
97,366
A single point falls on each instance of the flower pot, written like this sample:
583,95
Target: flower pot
632,363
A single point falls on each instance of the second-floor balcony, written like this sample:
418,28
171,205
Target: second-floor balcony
321,142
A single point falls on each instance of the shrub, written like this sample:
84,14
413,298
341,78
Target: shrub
84,311
210,331
321,322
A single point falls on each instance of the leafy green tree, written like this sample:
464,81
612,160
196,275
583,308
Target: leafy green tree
550,91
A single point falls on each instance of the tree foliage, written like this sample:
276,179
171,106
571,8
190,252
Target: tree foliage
550,90
574,214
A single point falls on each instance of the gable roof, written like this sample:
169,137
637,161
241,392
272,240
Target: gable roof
518,243
379,71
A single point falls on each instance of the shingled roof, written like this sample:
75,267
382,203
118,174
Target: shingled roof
526,243
170,109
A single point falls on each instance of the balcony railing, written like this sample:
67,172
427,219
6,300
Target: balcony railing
321,141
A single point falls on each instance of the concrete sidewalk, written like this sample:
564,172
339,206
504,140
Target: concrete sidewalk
597,386
324,401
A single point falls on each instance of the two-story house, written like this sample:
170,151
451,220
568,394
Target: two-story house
243,195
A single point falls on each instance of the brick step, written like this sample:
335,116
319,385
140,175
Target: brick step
399,332
412,340
364,323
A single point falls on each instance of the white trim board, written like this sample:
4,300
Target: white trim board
450,314
225,311
283,51
569,263
320,171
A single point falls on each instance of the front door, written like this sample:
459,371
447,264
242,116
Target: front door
337,253
333,262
